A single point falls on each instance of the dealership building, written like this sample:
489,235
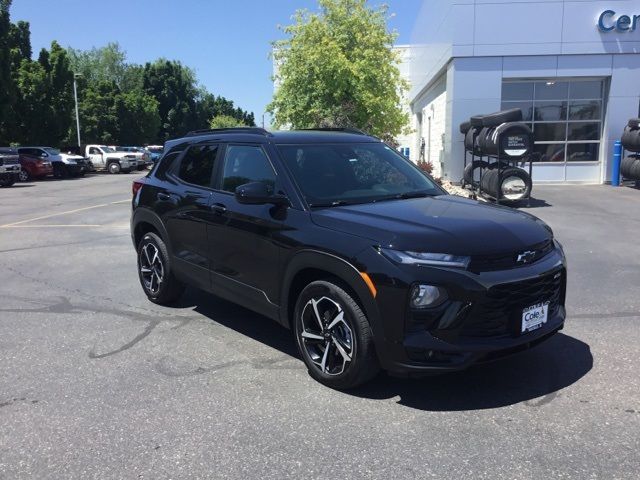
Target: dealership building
573,67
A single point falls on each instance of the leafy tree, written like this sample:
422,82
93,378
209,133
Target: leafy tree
60,101
337,68
174,87
5,67
138,118
133,78
104,64
99,113
225,121
31,120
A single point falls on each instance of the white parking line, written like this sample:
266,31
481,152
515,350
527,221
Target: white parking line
61,213
47,226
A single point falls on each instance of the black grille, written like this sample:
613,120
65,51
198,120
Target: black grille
489,263
500,312
9,160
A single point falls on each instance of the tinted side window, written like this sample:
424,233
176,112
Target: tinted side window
246,164
197,165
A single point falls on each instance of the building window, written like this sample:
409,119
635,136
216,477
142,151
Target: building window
566,116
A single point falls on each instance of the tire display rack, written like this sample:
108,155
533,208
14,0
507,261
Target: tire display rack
630,163
497,145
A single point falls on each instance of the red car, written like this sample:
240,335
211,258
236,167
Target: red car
33,165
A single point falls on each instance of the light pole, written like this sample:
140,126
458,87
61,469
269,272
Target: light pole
75,97
265,113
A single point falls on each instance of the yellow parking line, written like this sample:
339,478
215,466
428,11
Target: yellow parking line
58,214
128,200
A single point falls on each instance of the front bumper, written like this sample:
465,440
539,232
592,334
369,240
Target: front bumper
40,170
481,319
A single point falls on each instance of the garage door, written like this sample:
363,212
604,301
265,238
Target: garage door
566,116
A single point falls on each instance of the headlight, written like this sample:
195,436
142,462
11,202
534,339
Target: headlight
426,296
424,258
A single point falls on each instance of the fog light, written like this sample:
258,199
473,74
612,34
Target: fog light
426,296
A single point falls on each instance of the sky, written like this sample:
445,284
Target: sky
227,43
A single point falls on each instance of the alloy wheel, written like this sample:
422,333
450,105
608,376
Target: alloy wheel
151,268
23,175
326,336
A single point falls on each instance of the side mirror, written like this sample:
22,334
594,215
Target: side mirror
257,193
44,155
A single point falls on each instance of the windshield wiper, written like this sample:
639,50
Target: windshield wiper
337,203
405,195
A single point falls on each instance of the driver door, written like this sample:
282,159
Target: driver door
95,155
244,251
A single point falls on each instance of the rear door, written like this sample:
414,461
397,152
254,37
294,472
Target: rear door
243,240
186,212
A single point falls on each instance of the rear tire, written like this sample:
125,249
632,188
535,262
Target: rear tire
154,271
334,337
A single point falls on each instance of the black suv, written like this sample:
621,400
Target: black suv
335,235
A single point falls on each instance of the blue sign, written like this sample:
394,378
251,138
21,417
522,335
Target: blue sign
608,22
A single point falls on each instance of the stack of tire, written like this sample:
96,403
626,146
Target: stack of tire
504,136
630,166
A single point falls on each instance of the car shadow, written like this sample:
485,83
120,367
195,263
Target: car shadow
534,203
535,376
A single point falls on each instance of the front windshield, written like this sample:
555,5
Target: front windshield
107,149
52,151
332,174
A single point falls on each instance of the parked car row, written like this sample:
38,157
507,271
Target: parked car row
28,163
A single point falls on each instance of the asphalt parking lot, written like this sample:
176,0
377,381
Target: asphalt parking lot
97,382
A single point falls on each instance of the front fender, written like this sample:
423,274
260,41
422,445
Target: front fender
336,266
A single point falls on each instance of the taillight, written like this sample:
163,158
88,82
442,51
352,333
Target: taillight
137,185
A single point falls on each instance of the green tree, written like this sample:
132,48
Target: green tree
104,64
5,68
225,121
60,101
337,68
99,113
174,87
30,109
138,118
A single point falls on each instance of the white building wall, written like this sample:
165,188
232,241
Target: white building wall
475,44
430,125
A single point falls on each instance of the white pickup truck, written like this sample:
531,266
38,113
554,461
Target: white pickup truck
107,159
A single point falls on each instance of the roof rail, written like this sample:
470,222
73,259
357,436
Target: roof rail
254,130
356,131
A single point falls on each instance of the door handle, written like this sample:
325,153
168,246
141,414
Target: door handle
219,208
165,197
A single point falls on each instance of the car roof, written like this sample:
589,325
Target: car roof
283,137
321,136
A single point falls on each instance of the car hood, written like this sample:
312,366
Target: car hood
441,224
70,156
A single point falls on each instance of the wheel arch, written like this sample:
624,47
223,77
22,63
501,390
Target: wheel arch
145,221
311,265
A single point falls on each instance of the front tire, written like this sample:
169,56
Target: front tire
114,167
24,176
334,337
7,182
154,271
